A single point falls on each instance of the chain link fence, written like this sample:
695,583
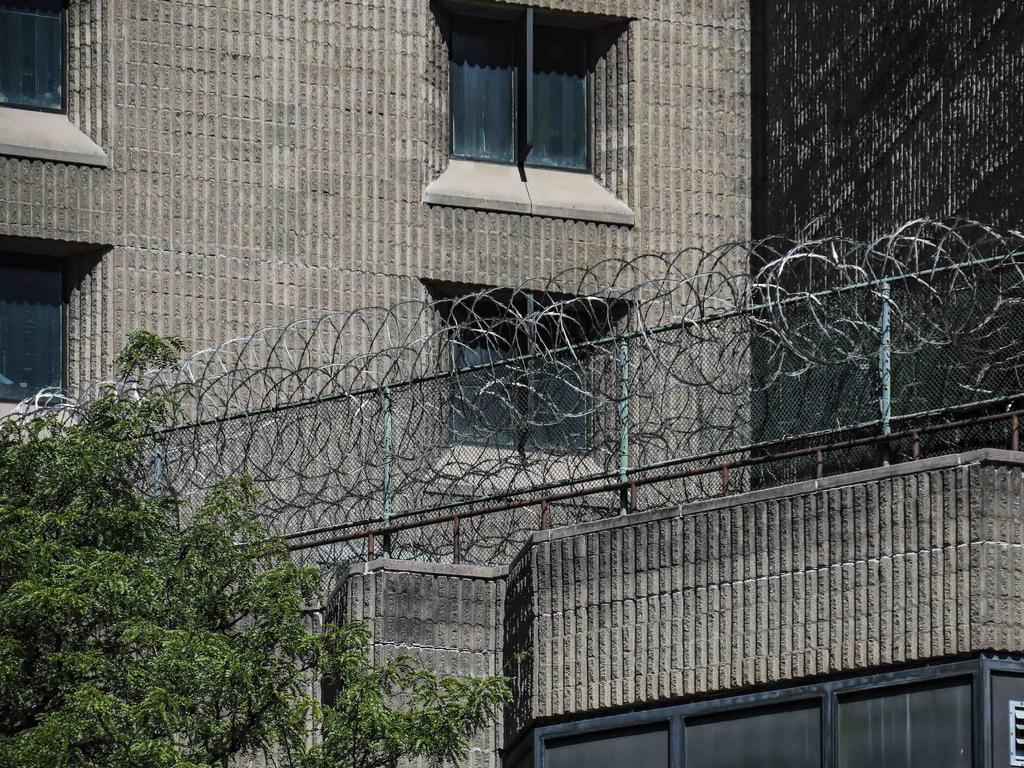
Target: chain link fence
472,399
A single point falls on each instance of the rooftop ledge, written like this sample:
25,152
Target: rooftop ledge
46,136
555,194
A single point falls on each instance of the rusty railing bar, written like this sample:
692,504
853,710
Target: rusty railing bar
650,480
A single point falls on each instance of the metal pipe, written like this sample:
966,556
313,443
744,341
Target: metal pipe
623,421
388,450
885,366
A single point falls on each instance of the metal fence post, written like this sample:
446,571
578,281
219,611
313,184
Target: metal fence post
885,368
387,469
623,424
158,470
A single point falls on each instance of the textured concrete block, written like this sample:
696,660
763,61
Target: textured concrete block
905,563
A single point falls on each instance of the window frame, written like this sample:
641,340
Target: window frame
64,42
62,266
978,672
524,21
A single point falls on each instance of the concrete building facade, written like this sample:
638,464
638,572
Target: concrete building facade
217,167
869,114
205,168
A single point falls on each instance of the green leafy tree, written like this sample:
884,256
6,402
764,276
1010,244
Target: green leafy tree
135,635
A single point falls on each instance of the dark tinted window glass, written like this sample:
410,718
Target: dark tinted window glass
486,403
31,53
483,90
541,403
560,392
532,390
765,738
560,98
907,728
612,749
30,331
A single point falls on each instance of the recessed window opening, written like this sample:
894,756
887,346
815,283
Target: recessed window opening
521,365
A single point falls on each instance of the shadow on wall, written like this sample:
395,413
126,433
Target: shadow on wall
866,114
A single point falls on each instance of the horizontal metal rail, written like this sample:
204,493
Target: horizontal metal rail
761,447
723,469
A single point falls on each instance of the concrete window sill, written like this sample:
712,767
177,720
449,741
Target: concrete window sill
46,136
555,194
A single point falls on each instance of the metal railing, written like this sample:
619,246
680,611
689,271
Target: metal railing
635,479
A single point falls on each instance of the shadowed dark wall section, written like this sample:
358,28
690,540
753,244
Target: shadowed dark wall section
870,113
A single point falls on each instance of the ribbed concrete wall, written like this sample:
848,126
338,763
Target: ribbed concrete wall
867,570
268,160
448,617
876,568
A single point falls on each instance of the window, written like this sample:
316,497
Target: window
520,91
1007,707
31,348
483,90
918,727
522,372
642,747
32,54
1016,733
776,737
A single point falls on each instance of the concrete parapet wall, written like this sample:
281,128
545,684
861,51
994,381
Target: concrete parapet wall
448,617
878,568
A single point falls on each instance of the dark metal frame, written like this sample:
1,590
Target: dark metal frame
64,40
827,693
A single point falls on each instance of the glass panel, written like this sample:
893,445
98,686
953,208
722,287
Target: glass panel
560,126
483,90
787,737
634,748
486,403
919,727
31,54
30,331
560,394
